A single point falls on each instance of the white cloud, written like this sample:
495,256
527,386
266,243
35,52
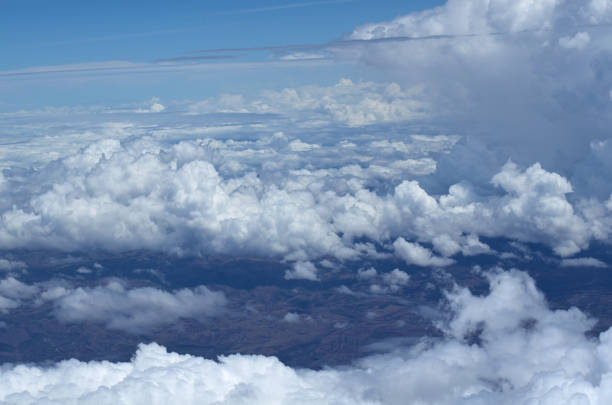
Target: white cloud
396,278
154,107
526,353
365,274
303,56
501,71
291,317
13,292
302,271
11,265
260,197
300,146
393,280
84,270
133,310
578,41
257,179
346,103
413,253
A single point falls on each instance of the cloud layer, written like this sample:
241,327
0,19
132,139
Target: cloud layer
505,347
228,197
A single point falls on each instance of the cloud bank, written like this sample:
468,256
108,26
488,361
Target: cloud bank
312,172
228,197
505,347
529,78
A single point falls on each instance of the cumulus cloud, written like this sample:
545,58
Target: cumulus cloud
260,197
154,107
366,274
396,278
524,352
13,292
11,265
529,77
265,178
393,281
413,253
347,103
133,310
291,317
303,271
578,41
521,81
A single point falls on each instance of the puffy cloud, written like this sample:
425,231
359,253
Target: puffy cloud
291,317
537,199
11,265
413,253
394,280
303,271
261,197
365,274
523,353
508,72
154,107
286,174
578,41
133,310
346,103
13,292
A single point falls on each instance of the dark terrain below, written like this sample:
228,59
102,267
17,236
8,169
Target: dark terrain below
335,327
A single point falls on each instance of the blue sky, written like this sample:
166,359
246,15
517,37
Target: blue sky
41,33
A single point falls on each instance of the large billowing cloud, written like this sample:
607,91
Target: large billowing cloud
505,347
263,197
530,78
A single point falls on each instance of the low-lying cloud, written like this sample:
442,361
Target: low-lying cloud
135,310
114,304
196,197
505,347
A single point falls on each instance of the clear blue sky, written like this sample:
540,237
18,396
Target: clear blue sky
35,33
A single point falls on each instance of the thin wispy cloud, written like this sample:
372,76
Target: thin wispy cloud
398,38
131,35
169,66
283,7
196,58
